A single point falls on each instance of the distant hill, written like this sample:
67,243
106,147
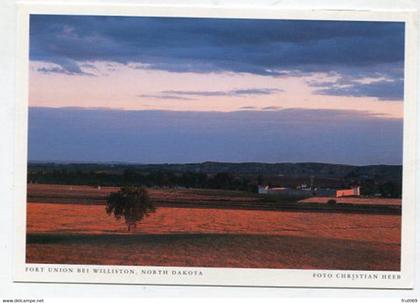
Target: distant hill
293,170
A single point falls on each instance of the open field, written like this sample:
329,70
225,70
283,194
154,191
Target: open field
211,198
92,195
77,233
356,201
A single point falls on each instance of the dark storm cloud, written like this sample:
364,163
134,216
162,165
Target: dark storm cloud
292,135
211,45
383,90
67,69
261,47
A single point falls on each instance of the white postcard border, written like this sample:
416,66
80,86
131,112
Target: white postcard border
216,276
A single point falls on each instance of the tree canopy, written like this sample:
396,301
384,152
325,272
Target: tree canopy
131,203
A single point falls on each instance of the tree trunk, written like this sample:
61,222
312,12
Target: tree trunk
131,226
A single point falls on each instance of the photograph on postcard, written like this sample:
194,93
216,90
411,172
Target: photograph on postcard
215,142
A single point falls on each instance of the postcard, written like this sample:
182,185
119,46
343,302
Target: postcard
215,146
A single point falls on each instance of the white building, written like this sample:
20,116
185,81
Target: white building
308,192
351,192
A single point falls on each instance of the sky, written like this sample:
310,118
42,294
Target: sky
176,90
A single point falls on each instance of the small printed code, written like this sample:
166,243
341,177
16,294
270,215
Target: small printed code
23,300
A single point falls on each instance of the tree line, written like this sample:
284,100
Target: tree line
164,178
387,189
132,177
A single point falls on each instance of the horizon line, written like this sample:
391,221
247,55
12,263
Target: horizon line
70,162
239,110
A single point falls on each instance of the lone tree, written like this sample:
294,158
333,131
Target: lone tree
132,203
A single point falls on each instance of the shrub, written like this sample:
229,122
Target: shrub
332,202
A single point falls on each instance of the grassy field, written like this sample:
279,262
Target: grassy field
82,233
211,198
356,201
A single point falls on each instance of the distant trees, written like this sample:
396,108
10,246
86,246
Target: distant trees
125,175
332,202
390,189
385,189
368,187
131,203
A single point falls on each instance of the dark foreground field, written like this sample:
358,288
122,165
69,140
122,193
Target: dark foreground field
70,233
